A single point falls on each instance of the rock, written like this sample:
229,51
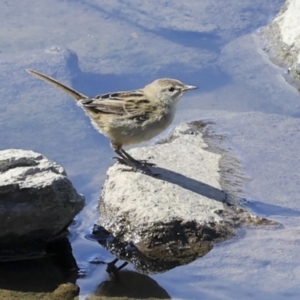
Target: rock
177,216
283,37
67,291
37,203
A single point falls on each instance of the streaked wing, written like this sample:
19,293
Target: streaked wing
137,106
139,110
131,103
104,106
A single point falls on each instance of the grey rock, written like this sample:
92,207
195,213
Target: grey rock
65,291
178,215
283,37
37,201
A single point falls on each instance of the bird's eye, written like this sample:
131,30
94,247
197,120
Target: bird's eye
171,89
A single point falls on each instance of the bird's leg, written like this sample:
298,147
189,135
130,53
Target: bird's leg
130,161
124,159
141,162
140,166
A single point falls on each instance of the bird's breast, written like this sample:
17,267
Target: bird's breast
128,131
150,128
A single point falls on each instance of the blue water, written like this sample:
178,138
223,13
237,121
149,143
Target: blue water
101,47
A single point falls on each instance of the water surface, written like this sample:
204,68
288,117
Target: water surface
106,46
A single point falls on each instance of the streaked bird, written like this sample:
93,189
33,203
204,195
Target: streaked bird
129,117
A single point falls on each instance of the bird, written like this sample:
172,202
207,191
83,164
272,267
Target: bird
129,117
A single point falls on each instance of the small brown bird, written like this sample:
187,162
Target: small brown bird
129,117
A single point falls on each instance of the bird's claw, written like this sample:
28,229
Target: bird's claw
142,162
137,166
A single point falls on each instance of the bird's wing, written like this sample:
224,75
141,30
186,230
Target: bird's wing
140,110
129,104
104,106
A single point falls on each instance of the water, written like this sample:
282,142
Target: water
120,45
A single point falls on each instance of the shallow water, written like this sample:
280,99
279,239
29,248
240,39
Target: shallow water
120,45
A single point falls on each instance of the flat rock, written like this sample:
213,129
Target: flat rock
37,202
179,214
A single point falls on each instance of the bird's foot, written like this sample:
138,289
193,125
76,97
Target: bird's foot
120,160
137,166
142,162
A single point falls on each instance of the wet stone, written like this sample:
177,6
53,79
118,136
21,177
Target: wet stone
177,216
37,203
282,39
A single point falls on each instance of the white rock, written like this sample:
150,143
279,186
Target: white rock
37,201
178,215
283,36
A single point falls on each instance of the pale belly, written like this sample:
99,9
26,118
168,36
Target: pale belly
133,133
127,132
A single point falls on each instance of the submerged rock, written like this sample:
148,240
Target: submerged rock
159,222
37,203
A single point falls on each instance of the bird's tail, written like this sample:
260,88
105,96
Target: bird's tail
76,95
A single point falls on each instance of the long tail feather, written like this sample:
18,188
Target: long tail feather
76,95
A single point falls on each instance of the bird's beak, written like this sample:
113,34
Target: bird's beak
189,87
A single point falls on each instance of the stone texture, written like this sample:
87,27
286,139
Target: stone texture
179,214
283,37
67,291
37,201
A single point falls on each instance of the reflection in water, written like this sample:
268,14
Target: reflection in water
156,261
41,275
130,285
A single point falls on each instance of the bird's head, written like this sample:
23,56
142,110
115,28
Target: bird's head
167,90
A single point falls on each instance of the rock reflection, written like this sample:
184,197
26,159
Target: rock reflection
130,285
56,272
156,262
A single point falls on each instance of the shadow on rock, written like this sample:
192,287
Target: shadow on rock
191,184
